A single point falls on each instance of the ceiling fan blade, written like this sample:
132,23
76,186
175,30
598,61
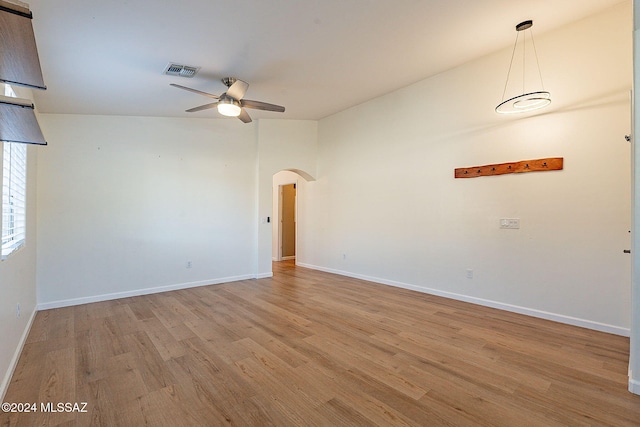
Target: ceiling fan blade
244,116
259,105
202,107
210,95
238,89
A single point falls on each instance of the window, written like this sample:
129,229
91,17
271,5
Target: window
14,190
8,91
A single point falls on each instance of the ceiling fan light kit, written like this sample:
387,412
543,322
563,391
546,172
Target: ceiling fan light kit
232,103
229,107
528,100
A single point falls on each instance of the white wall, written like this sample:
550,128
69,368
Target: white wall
126,202
386,207
18,276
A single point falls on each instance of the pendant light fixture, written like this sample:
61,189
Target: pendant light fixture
529,100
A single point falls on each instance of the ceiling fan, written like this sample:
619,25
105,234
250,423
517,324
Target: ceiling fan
231,102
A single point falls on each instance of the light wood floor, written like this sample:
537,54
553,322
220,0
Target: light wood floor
309,348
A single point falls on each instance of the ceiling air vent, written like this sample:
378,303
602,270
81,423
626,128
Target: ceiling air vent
180,70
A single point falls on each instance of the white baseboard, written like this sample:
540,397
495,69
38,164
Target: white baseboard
561,318
137,292
16,356
634,386
286,258
264,275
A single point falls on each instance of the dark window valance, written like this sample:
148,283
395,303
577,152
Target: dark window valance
18,122
19,61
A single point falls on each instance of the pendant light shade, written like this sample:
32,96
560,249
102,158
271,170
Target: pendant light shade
531,99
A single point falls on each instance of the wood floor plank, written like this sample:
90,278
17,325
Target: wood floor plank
164,342
206,402
312,348
148,361
374,399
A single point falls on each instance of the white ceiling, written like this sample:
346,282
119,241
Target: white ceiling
315,57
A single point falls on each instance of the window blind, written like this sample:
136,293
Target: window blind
14,197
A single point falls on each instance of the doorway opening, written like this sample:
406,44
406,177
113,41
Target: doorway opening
285,214
287,210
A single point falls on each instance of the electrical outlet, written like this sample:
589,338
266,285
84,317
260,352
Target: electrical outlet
469,274
18,310
189,265
510,223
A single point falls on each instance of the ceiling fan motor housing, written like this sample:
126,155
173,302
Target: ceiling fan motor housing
228,81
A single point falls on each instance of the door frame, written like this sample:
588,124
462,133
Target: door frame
278,223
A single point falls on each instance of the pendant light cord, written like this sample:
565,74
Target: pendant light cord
524,59
513,53
537,61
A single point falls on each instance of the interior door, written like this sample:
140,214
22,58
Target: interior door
288,221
